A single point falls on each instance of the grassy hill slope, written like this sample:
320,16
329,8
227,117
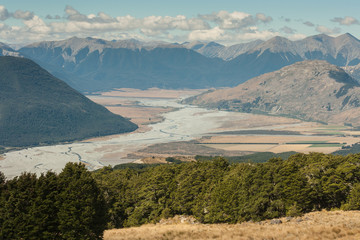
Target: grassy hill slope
315,225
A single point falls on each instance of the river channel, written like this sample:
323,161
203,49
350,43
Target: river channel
185,123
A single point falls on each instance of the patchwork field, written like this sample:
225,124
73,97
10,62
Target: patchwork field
279,143
315,225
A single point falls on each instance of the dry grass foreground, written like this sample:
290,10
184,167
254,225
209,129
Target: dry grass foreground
315,225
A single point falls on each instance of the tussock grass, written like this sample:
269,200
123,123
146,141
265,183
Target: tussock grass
315,225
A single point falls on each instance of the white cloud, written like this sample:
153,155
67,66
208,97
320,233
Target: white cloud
296,36
103,22
207,35
221,35
345,21
263,35
222,26
18,14
288,30
326,30
26,15
179,22
263,18
152,32
52,17
4,13
234,20
309,24
74,15
37,25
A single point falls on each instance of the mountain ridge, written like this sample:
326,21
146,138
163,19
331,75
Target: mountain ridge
312,90
92,65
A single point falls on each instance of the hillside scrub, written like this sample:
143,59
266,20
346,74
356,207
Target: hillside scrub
65,206
218,192
77,204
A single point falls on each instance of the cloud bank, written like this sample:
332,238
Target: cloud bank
222,26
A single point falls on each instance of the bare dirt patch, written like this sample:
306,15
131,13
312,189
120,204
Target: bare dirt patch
138,114
189,148
141,115
283,143
251,121
315,225
162,159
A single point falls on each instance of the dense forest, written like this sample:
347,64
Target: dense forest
69,205
77,204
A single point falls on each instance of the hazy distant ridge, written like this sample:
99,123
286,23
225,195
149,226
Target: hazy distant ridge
90,64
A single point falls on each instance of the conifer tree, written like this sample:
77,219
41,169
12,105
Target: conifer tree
19,196
82,211
44,210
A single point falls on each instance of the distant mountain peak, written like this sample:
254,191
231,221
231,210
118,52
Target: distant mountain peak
212,44
275,44
348,35
91,64
321,36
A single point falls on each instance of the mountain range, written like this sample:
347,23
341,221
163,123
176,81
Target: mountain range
37,108
91,65
213,49
310,90
97,65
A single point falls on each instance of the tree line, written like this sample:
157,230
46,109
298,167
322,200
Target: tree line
77,204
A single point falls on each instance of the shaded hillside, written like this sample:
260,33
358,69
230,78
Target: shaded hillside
36,108
89,66
309,90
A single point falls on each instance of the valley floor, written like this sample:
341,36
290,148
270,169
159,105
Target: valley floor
168,128
315,225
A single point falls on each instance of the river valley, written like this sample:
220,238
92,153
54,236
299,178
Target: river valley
176,122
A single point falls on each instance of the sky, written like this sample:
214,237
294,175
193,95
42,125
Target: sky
224,21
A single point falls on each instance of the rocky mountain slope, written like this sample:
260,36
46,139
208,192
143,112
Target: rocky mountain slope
94,65
37,108
215,50
6,50
89,64
353,71
342,50
310,90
